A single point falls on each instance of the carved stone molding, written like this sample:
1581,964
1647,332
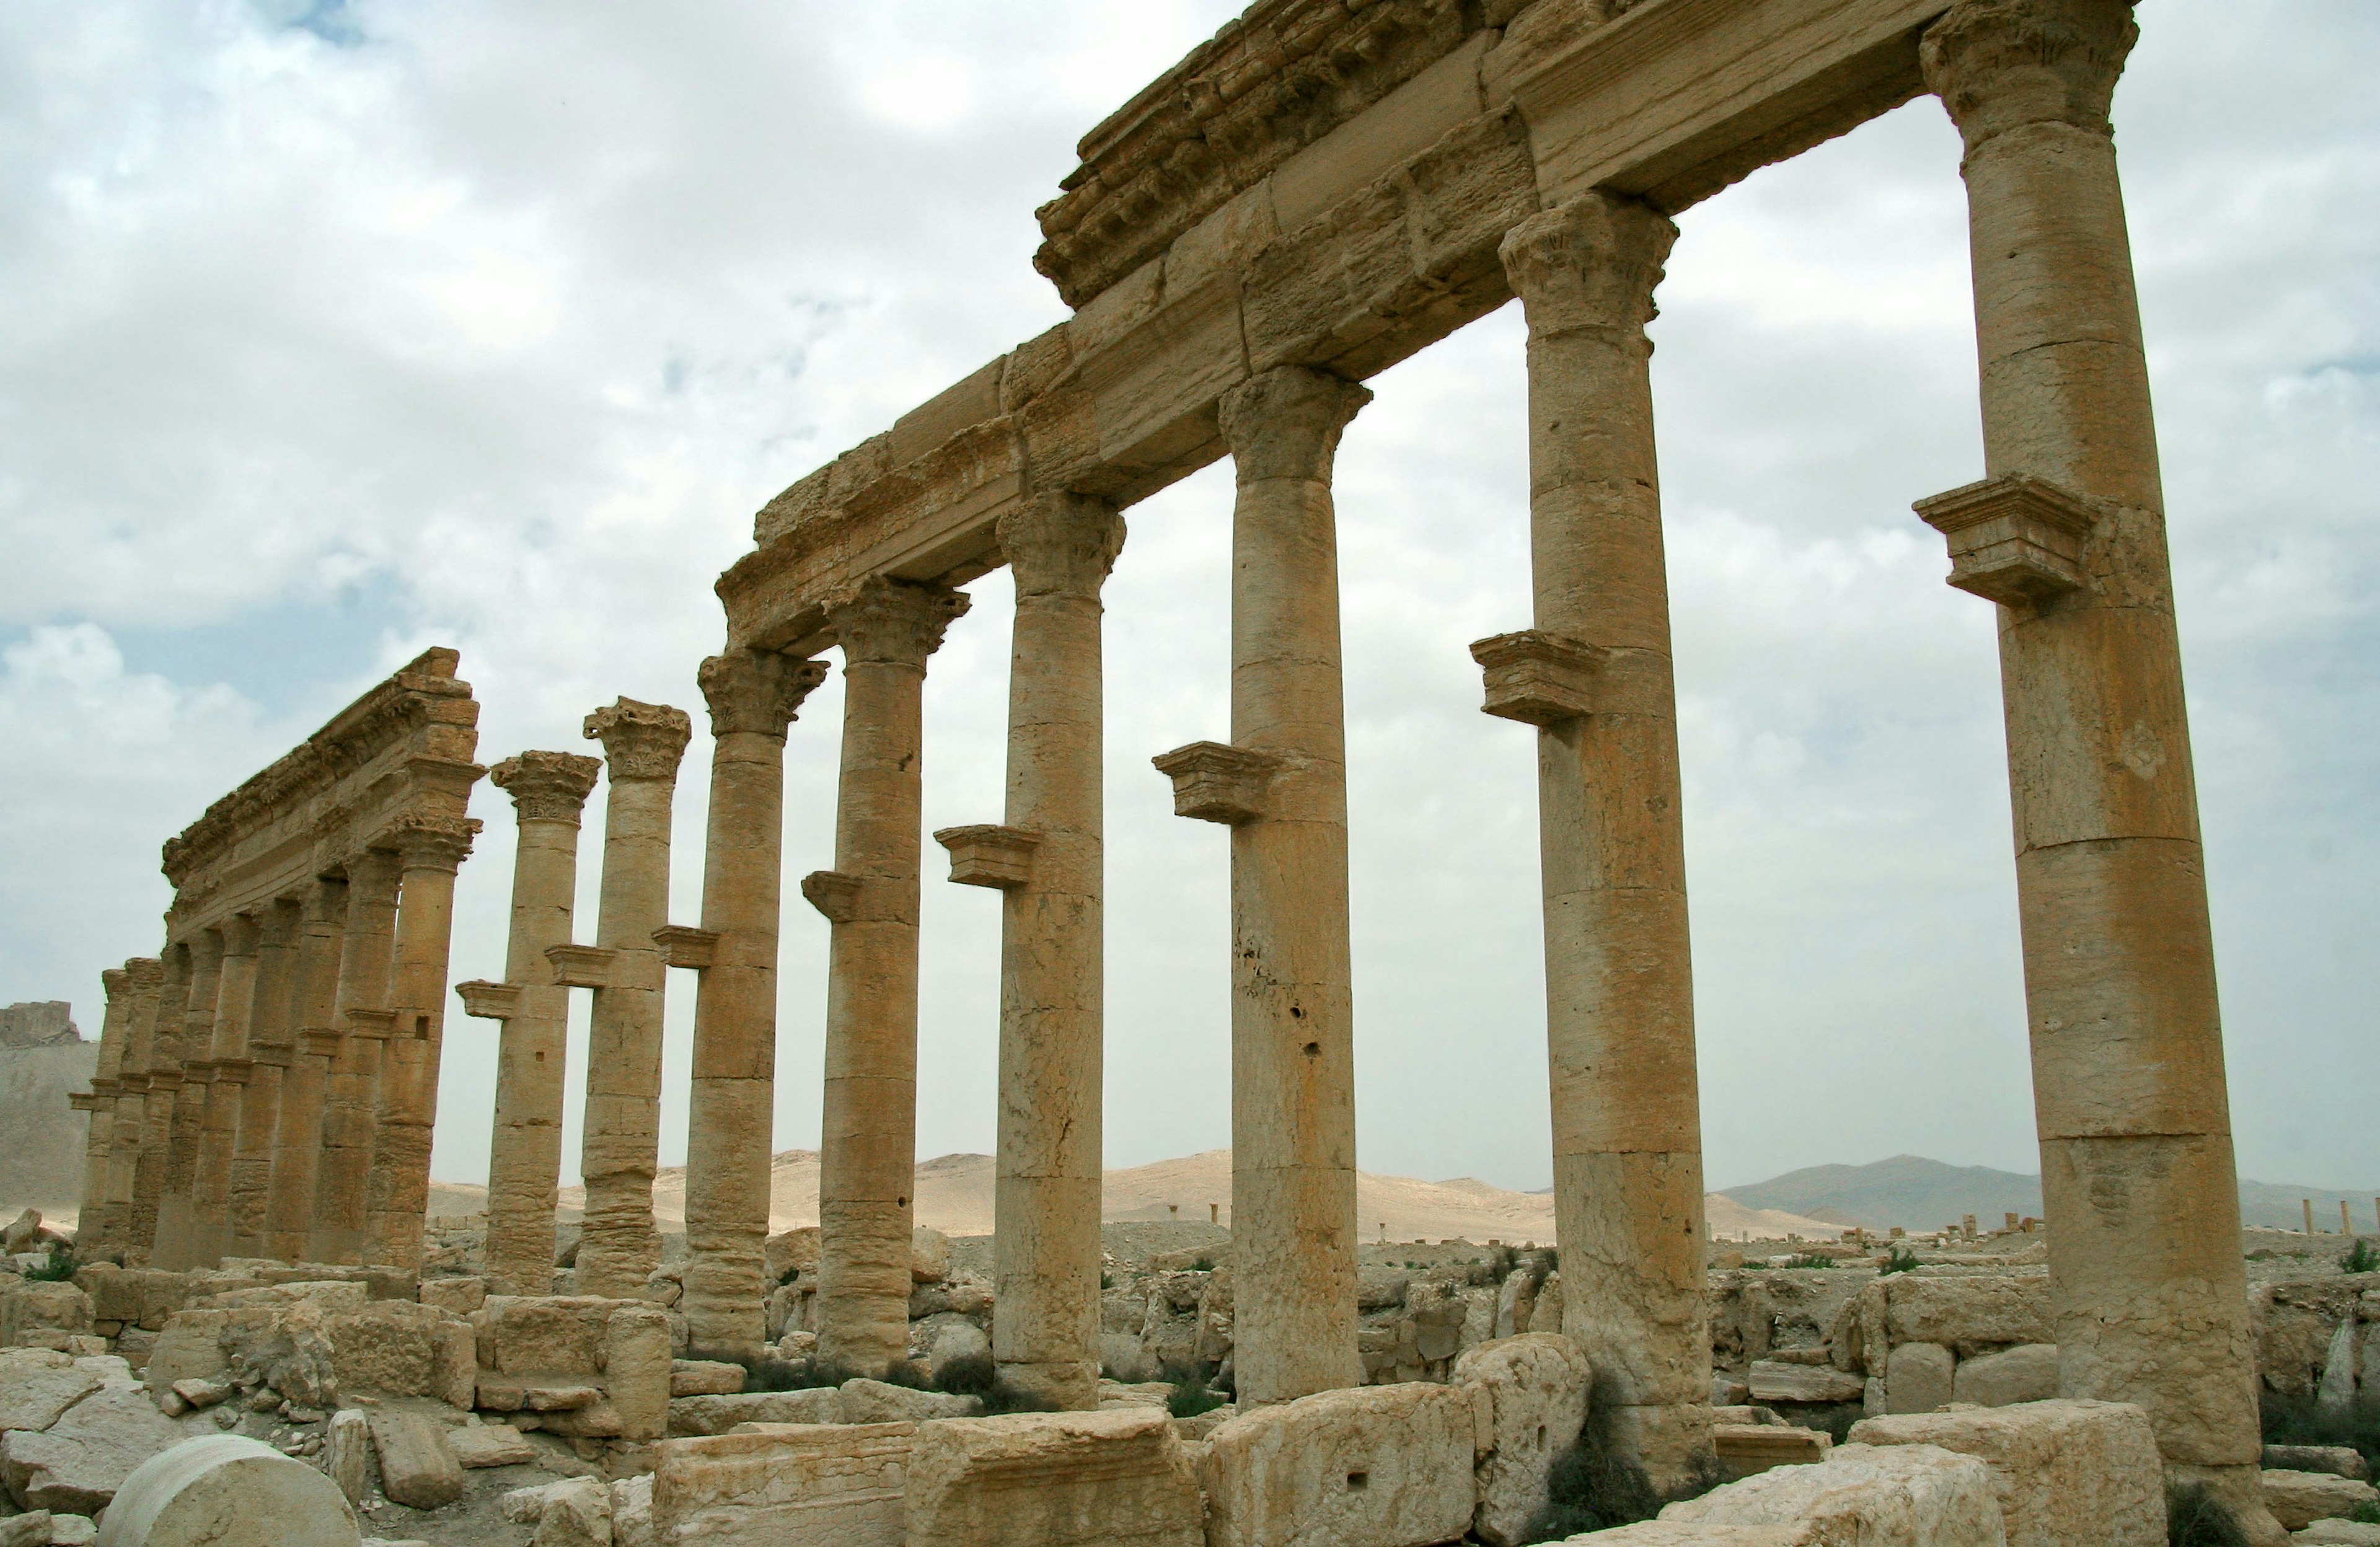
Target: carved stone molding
2017,540
641,740
547,786
1285,422
1537,678
990,855
757,692
379,1024
893,622
834,893
1214,782
487,1001
685,945
1592,263
587,966
2000,64
1061,544
427,843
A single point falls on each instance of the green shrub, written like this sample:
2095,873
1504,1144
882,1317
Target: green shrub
1193,1394
2301,1421
2194,1518
1593,1487
2359,1259
1805,1260
57,1270
978,1375
1902,1261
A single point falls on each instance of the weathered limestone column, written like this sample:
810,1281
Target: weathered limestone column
2067,535
351,1099
621,1145
429,851
1595,678
298,1136
868,1146
269,1057
753,696
176,1216
144,976
95,1228
1050,864
549,791
163,1078
219,1131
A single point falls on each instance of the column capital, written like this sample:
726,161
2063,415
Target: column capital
1589,262
206,949
282,918
377,865
759,691
240,935
427,843
547,786
1061,544
641,740
893,622
1285,422
2002,64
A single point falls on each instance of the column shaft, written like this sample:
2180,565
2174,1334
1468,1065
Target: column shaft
269,1056
94,1224
219,1136
429,850
351,1099
297,1133
177,1229
164,1078
145,975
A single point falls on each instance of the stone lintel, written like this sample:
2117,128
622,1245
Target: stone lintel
488,1001
834,893
2015,540
685,945
1537,678
587,966
990,855
378,1024
1213,781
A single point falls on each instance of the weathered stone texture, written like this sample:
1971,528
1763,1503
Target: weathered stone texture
1387,1466
2061,1471
784,1486
1914,1494
1054,1479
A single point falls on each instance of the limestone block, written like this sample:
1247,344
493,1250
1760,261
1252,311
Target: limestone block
2343,1460
945,1337
1386,1465
416,1467
632,1512
33,1397
1054,1479
24,1306
457,1297
704,1378
694,1416
2299,1499
227,1491
575,1512
1984,1309
544,1335
1773,1380
135,1296
2337,1533
76,1465
1905,1496
346,1456
784,1486
1676,1534
2027,1372
191,1348
475,1445
2062,1471
73,1530
929,1256
1918,1377
1748,1449
399,1348
27,1530
1534,1388
790,1251
866,1401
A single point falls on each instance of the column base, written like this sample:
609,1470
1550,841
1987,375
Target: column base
2242,1490
1071,1388
1670,1442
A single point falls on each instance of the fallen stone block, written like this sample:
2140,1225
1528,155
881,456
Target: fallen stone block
1673,1533
929,1256
73,1530
1115,1479
2061,1471
198,1395
784,1486
416,1467
457,1297
1384,1466
76,1465
2344,1460
50,1307
705,1378
1534,1390
2337,1533
2025,1374
26,1530
1871,1496
1749,1449
866,1401
475,1445
397,1349
348,1453
1773,1380
576,1513
35,1398
691,1416
225,1489
2298,1499
1918,1377
1999,1308
632,1511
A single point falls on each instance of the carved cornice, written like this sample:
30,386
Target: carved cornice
895,622
1061,544
2000,64
1592,263
757,692
1286,421
547,786
641,740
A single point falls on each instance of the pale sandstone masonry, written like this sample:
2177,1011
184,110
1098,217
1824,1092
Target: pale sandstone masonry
868,1142
163,1074
219,1131
193,1068
549,791
753,696
621,1145
298,1134
270,1053
429,851
95,1223
144,976
351,1099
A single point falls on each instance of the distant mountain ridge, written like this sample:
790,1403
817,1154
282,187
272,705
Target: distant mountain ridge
1920,1194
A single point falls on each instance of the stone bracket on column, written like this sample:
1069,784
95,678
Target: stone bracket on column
2016,540
232,1071
275,1057
319,1042
683,946
1539,678
380,1025
488,1001
582,966
197,1071
834,893
1213,781
84,1100
990,855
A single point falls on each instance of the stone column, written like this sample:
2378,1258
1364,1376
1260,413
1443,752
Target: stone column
144,976
549,791
270,1031
2067,535
869,1144
95,1228
619,1246
429,851
1595,678
219,1130
1049,862
164,1076
298,1135
351,1097
753,696
177,1232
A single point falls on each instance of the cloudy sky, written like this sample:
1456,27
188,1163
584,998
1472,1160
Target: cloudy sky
328,333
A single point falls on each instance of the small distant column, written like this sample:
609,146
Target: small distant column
298,1135
269,1056
219,1131
143,975
549,791
94,1221
351,1102
164,1078
177,1230
869,1144
429,851
753,696
619,1246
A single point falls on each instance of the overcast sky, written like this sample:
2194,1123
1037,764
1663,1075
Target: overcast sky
327,334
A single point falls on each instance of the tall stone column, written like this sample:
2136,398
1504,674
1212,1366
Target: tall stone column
1049,862
145,976
2067,535
619,1246
429,851
219,1131
1281,786
351,1097
1595,676
549,791
163,1078
95,1228
177,1232
298,1135
270,1031
753,696
868,1146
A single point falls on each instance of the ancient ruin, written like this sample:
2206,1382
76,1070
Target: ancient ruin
1323,189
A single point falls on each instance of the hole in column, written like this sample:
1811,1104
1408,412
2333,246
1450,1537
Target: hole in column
421,1026
1314,1050
1358,1482
1541,1436
540,1057
902,1203
1295,1013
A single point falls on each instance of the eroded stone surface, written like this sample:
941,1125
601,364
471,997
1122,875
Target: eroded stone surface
2061,1471
1914,1494
1054,1479
784,1486
1389,1466
1535,1389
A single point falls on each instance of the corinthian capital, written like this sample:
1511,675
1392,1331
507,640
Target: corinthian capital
893,622
641,740
547,786
2002,64
1285,422
1589,263
757,691
1061,544
429,843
